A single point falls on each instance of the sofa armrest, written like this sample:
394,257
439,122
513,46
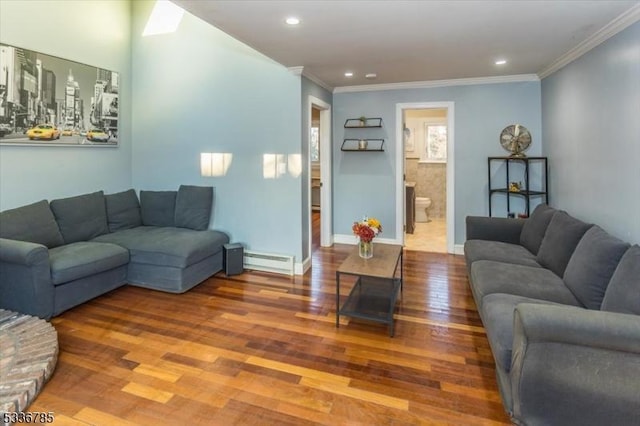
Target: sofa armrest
575,366
25,278
501,229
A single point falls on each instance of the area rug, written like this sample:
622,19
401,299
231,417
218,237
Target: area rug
28,356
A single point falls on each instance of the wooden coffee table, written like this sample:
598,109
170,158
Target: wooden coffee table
374,294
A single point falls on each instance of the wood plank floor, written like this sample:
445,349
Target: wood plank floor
263,349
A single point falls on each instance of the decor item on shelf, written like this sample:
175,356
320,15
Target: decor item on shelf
515,186
362,144
515,139
366,230
363,121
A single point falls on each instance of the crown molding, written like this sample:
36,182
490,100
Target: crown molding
623,21
439,83
308,75
317,81
295,70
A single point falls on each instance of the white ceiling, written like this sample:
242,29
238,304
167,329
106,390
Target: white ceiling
409,41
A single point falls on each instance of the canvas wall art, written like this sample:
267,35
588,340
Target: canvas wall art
50,101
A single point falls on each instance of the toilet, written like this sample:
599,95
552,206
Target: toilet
422,204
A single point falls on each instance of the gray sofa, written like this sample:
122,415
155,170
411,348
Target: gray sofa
54,256
560,302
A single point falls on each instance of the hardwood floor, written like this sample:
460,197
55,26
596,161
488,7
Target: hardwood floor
263,349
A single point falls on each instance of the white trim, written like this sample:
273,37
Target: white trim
626,19
317,81
295,70
400,190
438,83
458,249
302,268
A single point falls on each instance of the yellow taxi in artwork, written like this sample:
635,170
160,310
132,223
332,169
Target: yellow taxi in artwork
43,131
67,132
98,135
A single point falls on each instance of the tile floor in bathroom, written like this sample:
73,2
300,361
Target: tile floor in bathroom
428,236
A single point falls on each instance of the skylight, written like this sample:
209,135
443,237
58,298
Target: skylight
165,18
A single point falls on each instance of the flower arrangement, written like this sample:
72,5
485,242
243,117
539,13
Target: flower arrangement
367,229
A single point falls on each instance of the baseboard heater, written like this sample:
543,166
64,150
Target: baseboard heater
268,262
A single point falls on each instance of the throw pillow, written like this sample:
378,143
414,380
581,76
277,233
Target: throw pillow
562,236
81,218
593,262
623,292
33,223
193,207
158,207
123,210
534,228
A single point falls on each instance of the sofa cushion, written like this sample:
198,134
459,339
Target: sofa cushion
497,317
82,259
562,236
488,277
193,207
593,262
535,227
123,210
175,247
498,251
623,292
33,223
158,208
81,218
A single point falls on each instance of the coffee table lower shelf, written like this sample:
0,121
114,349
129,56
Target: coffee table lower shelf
372,299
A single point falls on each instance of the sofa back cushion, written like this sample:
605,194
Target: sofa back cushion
158,207
193,207
534,228
123,210
560,240
593,262
33,223
81,218
623,292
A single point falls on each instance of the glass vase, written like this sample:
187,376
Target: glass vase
365,249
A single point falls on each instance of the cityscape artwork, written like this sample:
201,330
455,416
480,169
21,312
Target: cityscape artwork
46,100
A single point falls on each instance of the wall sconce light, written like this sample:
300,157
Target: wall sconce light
215,163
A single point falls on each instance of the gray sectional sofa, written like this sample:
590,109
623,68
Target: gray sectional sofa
56,255
560,302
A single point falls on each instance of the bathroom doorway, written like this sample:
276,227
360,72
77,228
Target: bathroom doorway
427,142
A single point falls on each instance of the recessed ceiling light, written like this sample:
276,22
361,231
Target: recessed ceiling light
371,75
348,74
292,20
500,62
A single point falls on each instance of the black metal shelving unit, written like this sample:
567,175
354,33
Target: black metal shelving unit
525,191
362,144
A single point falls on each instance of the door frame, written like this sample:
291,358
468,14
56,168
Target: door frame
326,216
400,171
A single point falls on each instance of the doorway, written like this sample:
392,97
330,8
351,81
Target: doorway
319,166
425,164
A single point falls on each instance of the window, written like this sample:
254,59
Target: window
435,143
315,144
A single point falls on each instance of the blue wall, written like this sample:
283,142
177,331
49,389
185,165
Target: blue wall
591,122
364,183
28,173
199,90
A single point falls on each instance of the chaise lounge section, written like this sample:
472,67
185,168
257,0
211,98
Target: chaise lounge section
54,256
560,302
